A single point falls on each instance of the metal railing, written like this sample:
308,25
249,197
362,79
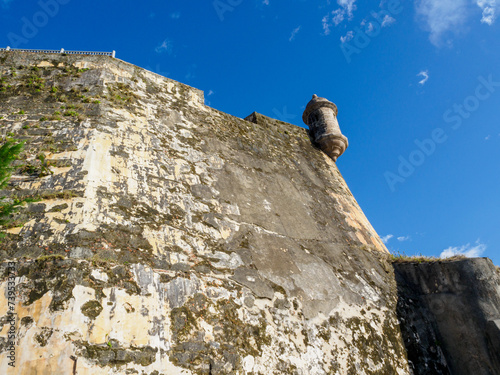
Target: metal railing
94,53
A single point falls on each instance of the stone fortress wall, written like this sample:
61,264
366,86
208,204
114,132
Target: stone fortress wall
167,237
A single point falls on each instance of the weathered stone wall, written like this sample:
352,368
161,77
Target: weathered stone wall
170,238
166,237
450,316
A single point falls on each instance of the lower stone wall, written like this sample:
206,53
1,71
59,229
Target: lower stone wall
76,316
449,313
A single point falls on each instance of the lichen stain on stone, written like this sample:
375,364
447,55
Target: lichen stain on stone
91,309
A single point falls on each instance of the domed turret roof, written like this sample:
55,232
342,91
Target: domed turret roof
315,103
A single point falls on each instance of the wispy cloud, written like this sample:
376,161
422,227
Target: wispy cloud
349,6
470,251
386,239
334,18
294,33
265,2
326,24
489,8
444,17
165,47
347,37
487,138
338,16
368,26
425,75
441,17
387,21
403,238
175,15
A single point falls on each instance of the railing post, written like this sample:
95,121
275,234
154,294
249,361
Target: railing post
114,54
62,50
8,48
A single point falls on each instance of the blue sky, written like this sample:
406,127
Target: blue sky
417,84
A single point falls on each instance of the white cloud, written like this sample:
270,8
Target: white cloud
444,17
265,2
403,238
470,251
349,6
346,10
489,8
425,75
347,37
440,17
387,21
175,15
338,16
210,93
326,24
487,138
165,47
386,239
294,33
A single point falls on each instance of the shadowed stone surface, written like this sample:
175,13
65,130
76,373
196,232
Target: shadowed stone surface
449,313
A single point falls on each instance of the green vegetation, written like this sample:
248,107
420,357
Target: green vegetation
120,94
40,82
28,169
8,153
36,82
71,113
3,85
46,258
403,258
45,165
